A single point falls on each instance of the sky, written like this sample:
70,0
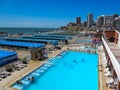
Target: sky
52,13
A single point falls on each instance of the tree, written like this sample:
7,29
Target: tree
9,68
81,29
24,61
66,41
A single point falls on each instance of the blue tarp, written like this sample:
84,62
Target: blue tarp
32,40
83,41
4,53
46,38
55,36
21,44
7,57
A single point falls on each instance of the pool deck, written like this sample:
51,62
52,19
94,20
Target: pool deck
32,65
102,78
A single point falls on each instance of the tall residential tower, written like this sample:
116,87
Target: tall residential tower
89,20
78,21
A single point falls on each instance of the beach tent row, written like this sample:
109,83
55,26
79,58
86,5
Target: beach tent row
53,42
21,44
7,57
46,38
54,36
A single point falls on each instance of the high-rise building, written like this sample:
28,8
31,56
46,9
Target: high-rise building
115,16
89,20
100,20
117,22
78,21
71,24
108,21
84,24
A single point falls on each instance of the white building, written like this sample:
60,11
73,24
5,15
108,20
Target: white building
108,21
117,22
100,20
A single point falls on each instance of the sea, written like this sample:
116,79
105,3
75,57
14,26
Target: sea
26,30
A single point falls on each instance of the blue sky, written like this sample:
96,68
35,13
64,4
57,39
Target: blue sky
52,13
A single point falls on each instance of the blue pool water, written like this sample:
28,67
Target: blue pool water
72,71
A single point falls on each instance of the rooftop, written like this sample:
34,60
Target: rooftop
5,53
32,40
21,44
45,38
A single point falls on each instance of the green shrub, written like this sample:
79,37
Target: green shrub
24,61
9,68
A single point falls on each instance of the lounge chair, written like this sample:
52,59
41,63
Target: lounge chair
104,63
109,81
104,60
112,83
106,70
6,73
108,74
3,76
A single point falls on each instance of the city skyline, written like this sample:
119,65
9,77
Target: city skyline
39,13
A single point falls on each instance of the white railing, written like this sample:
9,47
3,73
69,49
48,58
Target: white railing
113,59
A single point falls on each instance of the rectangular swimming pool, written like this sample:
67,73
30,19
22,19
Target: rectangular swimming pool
67,71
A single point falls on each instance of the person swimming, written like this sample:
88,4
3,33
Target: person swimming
19,82
31,78
82,60
74,61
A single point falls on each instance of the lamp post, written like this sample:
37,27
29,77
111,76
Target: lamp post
29,55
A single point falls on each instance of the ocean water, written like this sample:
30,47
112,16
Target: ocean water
25,30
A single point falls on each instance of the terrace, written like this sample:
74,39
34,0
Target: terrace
112,49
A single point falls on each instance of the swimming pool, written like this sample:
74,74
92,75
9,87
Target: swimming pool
67,71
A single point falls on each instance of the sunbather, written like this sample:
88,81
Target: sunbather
19,82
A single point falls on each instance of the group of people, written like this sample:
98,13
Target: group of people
69,65
82,60
19,82
29,78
